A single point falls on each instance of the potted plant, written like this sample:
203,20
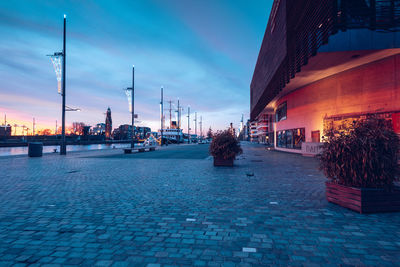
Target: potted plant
224,148
361,164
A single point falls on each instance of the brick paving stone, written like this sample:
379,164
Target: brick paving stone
105,208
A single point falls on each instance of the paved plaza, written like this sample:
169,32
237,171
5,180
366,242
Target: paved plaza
172,207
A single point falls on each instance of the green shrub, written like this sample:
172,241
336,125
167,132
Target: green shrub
225,145
365,155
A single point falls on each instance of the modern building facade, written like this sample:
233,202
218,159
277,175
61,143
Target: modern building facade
325,64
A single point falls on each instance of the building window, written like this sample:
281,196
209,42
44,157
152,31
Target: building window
281,139
299,136
280,114
291,138
315,136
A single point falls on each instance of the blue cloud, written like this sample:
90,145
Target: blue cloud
203,52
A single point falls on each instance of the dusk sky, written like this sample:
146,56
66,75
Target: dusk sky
203,52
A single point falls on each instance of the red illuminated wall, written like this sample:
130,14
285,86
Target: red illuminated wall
367,89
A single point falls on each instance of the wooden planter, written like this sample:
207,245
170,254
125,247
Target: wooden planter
363,200
223,162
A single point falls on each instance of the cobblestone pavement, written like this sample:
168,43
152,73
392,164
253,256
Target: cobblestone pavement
270,209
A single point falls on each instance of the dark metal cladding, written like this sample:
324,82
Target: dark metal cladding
298,28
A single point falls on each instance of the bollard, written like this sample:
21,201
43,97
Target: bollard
35,149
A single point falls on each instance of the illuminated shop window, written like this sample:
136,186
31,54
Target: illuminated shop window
281,139
291,138
299,136
280,114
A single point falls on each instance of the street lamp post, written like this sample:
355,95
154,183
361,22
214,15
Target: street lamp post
179,116
59,67
63,147
188,124
201,127
195,124
133,107
162,114
130,92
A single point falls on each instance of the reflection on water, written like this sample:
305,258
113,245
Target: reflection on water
7,151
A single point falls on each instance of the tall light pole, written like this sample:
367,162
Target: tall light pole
170,113
188,116
59,60
133,107
195,124
162,114
130,93
201,127
179,121
179,116
63,147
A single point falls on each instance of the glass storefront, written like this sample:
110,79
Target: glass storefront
291,138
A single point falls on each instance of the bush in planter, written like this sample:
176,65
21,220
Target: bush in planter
363,156
224,145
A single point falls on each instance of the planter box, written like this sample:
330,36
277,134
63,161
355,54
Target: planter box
223,162
363,200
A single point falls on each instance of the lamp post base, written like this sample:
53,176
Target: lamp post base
63,150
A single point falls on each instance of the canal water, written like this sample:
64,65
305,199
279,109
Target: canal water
8,151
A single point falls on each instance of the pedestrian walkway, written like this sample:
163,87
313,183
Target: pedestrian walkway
93,209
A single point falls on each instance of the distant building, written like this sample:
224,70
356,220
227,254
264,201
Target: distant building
86,131
99,129
115,134
5,130
108,128
78,128
123,132
142,132
247,130
253,132
265,131
244,134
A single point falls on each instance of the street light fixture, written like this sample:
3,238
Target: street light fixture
72,109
